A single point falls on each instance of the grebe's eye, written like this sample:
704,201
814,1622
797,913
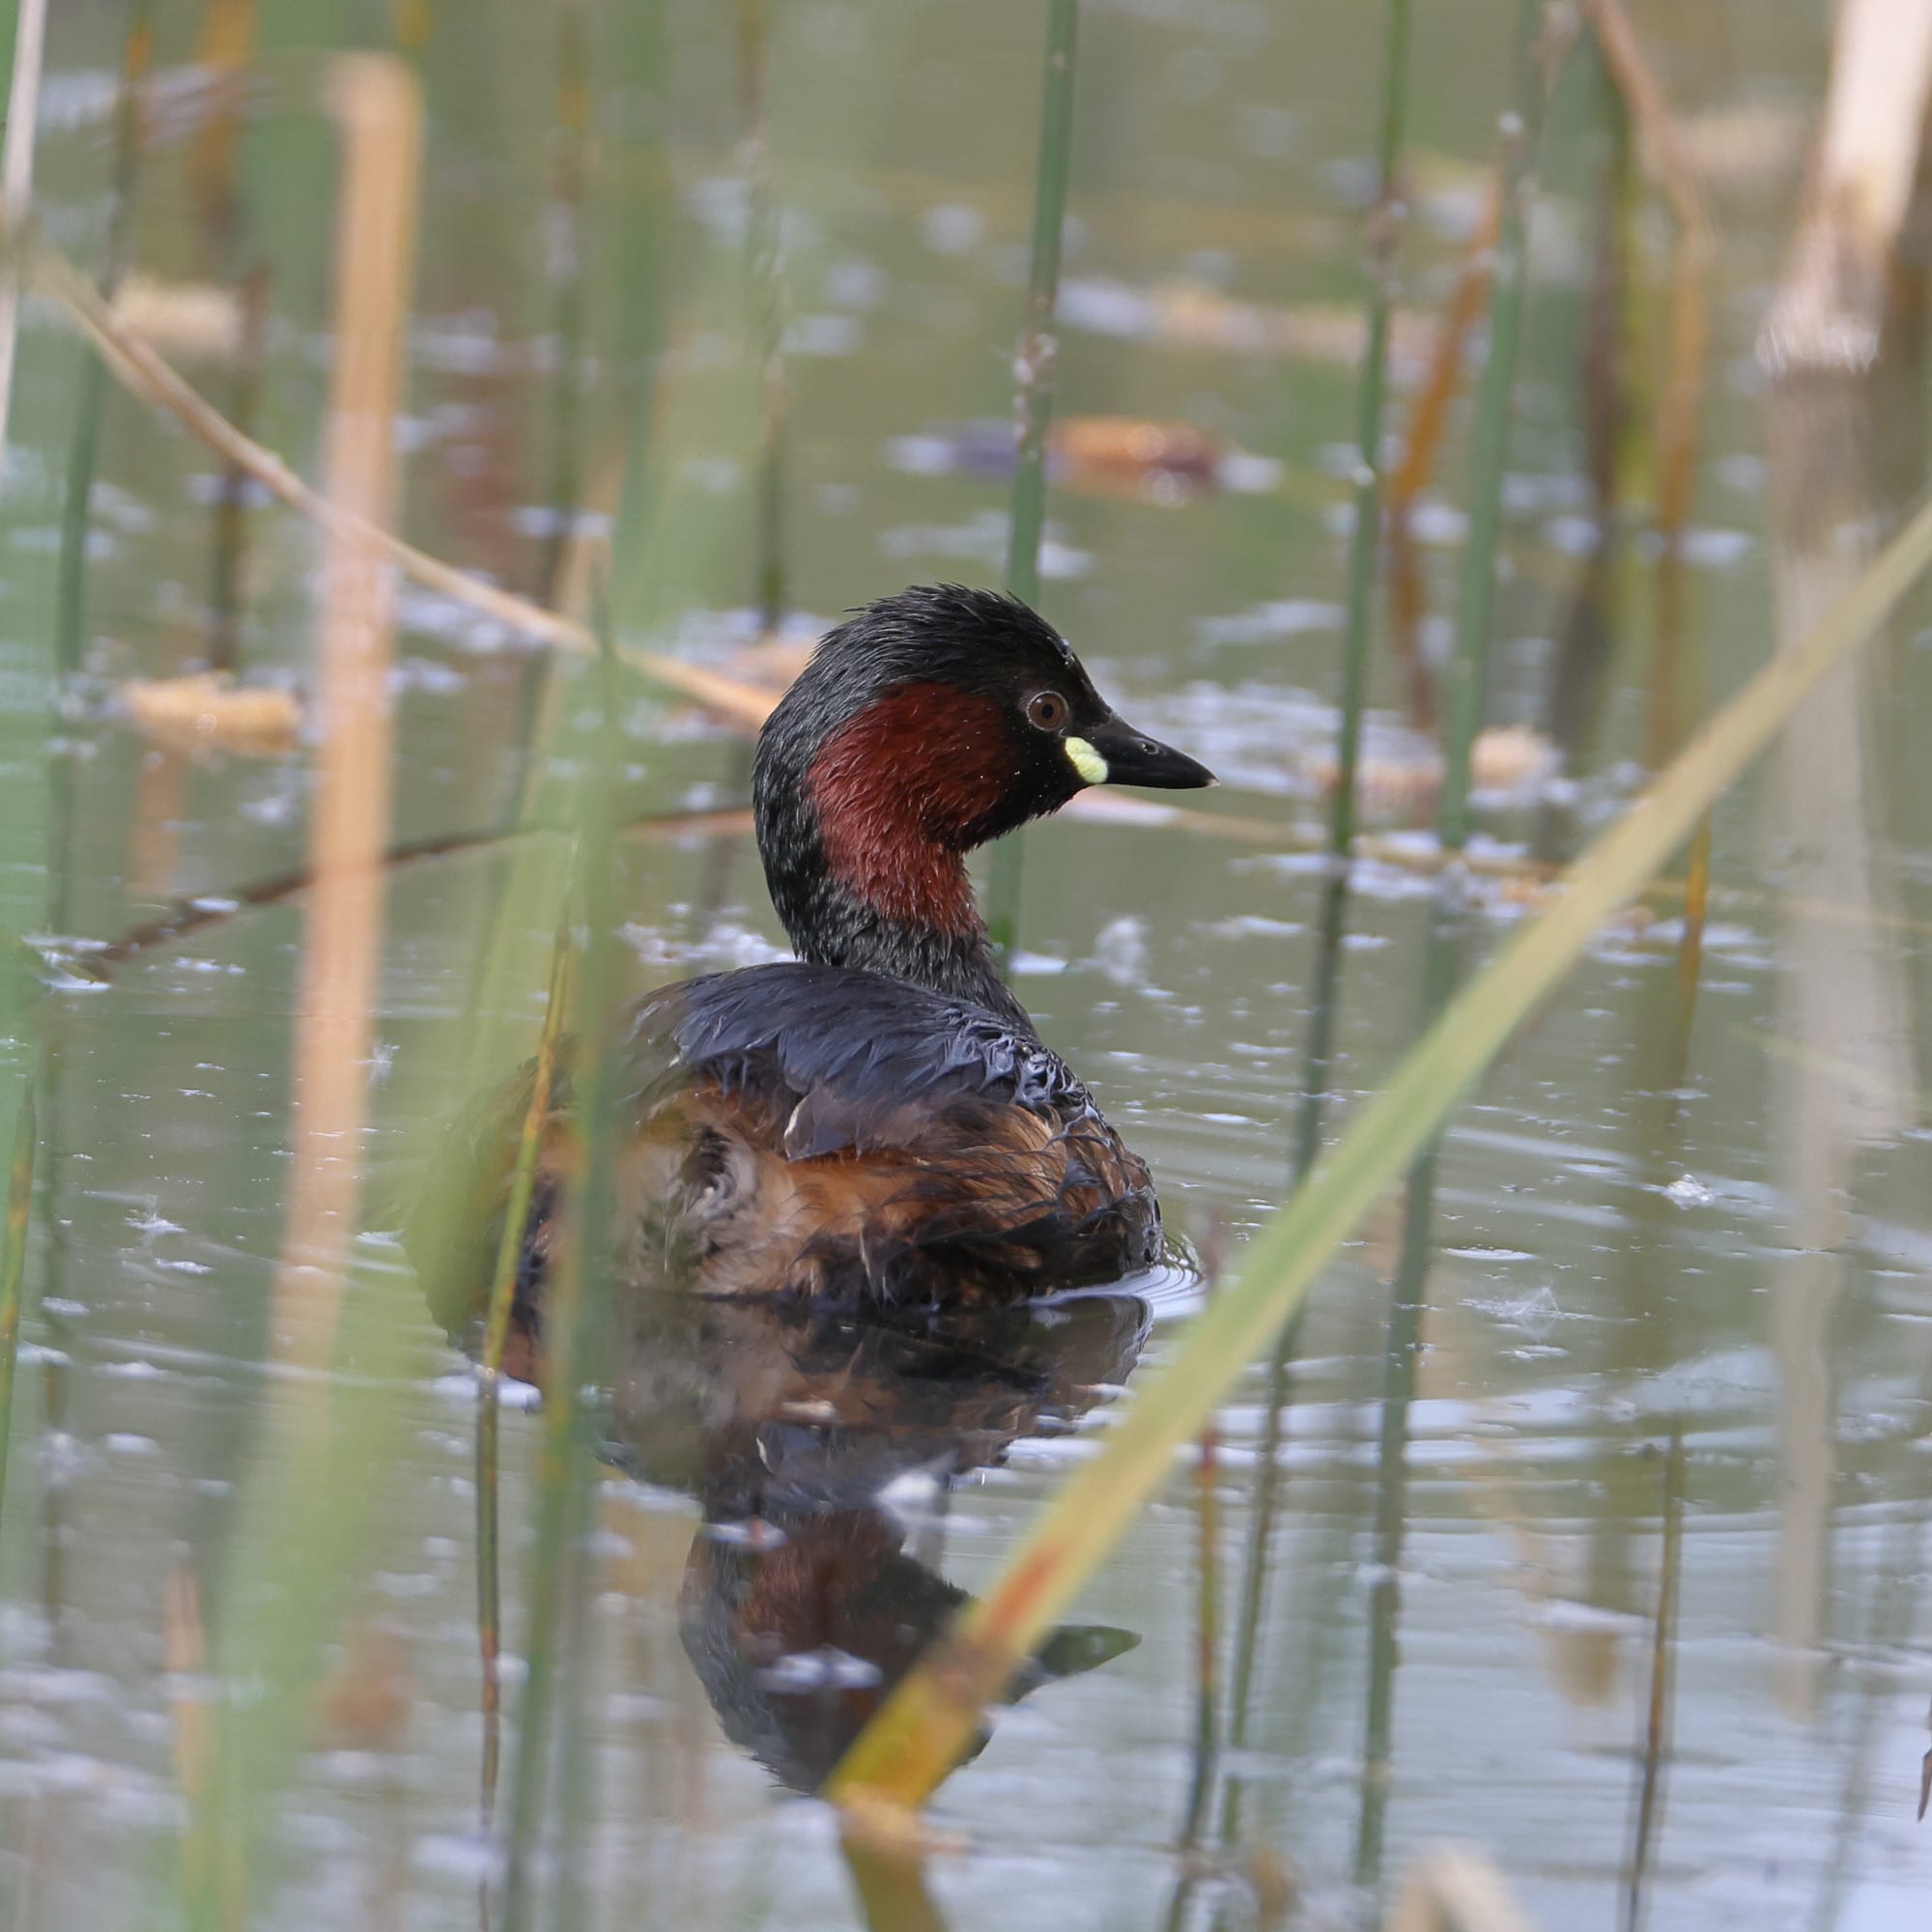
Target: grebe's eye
1047,710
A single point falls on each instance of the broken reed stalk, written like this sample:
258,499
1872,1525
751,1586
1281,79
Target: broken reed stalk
1829,314
377,107
1466,674
1680,408
566,242
1679,415
13,1264
490,1370
576,1321
161,387
16,186
1365,542
765,267
224,53
1422,448
1034,371
138,49
919,1733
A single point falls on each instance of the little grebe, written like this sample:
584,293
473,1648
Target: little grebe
879,1120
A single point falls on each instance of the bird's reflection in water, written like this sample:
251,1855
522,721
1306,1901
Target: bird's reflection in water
819,1441
803,1434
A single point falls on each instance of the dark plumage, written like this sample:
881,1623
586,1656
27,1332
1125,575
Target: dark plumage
880,1120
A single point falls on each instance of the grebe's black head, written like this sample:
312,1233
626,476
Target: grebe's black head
925,724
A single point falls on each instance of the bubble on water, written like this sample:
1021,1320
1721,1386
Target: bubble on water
953,228
1687,1191
1121,950
468,1857
148,1221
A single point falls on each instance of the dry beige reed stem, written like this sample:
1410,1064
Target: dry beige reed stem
378,105
1830,303
140,368
16,182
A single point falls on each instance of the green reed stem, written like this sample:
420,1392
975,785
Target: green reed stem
13,1264
575,1317
1466,676
70,590
765,262
1365,540
488,1373
1033,398
567,192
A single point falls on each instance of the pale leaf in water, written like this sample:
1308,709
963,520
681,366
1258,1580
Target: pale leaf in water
1508,758
186,319
772,662
208,711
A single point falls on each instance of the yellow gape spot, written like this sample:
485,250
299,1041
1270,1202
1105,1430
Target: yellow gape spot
1087,761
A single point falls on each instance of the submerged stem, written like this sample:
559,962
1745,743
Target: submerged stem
13,1264
71,596
1408,1301
489,1374
575,1323
1658,1705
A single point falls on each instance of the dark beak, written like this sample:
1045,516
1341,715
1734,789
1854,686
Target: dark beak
1132,758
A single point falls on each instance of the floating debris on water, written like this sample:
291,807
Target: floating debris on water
1137,457
208,711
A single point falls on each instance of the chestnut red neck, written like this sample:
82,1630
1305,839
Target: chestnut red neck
902,791
863,833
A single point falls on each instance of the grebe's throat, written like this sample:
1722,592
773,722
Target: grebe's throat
864,835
